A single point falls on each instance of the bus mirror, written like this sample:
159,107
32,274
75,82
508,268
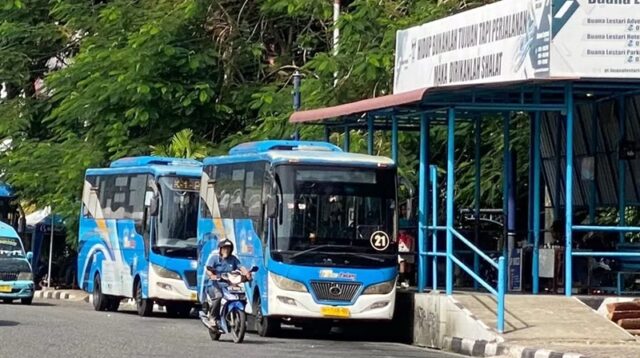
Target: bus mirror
272,209
153,207
148,197
29,256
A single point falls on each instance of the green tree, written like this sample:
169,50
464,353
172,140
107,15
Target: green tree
182,146
121,78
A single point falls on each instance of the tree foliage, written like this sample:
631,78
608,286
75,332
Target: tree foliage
87,82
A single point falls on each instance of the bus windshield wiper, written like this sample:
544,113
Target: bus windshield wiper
359,255
365,256
304,252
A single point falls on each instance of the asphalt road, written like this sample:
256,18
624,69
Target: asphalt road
51,328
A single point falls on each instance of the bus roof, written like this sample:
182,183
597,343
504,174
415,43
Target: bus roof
267,145
7,231
159,166
144,161
280,152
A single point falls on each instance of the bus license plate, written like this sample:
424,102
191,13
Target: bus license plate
5,288
340,312
194,297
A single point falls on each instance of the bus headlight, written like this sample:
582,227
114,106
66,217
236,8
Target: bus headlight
286,284
25,276
380,288
165,273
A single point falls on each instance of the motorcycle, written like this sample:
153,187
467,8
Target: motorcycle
233,318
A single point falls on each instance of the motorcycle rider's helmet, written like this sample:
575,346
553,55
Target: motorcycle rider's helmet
225,243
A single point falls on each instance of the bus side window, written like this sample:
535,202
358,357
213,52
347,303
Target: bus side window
90,200
206,191
136,196
253,194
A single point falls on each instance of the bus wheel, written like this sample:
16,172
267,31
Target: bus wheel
7,300
99,300
266,326
317,329
26,301
114,304
144,306
178,310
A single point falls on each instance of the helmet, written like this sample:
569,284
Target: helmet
225,243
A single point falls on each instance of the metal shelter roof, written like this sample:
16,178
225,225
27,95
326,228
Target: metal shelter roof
594,98
469,100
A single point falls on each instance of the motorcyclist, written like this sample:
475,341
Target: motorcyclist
223,263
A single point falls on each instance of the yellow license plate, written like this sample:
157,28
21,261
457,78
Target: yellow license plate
340,312
5,288
194,297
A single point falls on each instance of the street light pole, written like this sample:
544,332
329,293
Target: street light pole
50,251
296,100
336,35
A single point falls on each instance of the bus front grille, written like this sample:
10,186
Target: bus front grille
191,278
9,276
335,291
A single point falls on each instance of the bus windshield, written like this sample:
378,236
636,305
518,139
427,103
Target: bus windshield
329,215
178,216
10,247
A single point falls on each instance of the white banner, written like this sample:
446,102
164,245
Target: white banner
596,38
503,41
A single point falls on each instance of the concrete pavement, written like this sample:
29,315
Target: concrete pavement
56,328
539,325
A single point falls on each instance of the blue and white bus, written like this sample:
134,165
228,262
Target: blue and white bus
319,223
137,234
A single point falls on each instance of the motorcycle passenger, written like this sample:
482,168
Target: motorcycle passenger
225,262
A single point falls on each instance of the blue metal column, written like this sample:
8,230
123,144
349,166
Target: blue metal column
568,277
370,135
536,197
423,190
594,149
347,139
558,154
433,174
478,143
450,193
622,175
394,138
502,268
505,178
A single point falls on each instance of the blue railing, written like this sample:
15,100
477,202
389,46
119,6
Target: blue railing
433,228
601,228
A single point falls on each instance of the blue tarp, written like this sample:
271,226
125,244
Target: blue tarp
5,190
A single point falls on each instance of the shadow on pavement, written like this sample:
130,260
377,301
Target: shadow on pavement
43,304
8,323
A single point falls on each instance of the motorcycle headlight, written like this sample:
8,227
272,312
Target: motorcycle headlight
380,288
25,276
165,273
286,284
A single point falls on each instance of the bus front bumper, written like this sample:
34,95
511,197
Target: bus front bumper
168,289
301,304
16,289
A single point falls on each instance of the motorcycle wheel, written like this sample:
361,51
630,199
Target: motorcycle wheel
238,325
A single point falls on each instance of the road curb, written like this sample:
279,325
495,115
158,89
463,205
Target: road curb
482,348
60,295
472,347
523,352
